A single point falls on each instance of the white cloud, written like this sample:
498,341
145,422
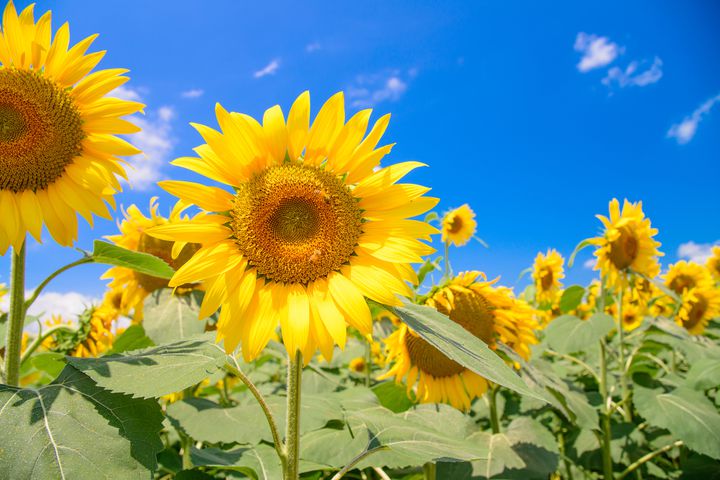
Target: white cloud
193,93
696,252
268,69
597,51
589,263
684,131
126,93
630,77
369,90
67,305
313,47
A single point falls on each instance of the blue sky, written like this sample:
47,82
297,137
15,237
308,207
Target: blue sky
535,114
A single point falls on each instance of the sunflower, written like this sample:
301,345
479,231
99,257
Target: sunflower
311,227
58,152
357,364
133,287
626,244
547,273
90,337
699,305
713,263
683,276
633,312
458,226
488,312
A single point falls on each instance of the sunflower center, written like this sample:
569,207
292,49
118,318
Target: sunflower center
681,283
470,310
546,278
40,130
162,249
624,250
697,312
456,224
295,223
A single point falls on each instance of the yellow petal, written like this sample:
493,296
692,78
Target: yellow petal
325,128
332,318
298,125
349,299
208,198
275,132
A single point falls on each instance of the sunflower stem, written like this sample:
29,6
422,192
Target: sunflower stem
627,414
492,404
36,293
39,339
448,273
16,317
292,436
368,363
606,432
430,471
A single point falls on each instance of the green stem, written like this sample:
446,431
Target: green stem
623,370
368,363
430,471
566,461
50,277
606,432
577,361
492,404
646,458
16,317
356,460
39,339
186,443
292,436
448,273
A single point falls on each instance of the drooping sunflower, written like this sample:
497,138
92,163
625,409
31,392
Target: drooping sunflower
58,149
91,336
713,263
458,225
683,276
699,305
547,273
311,227
626,244
488,312
133,287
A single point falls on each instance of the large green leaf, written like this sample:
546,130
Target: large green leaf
569,334
688,414
571,298
704,374
107,253
393,396
331,448
72,428
261,460
155,371
169,317
133,338
455,342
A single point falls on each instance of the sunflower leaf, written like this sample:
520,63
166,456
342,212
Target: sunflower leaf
585,243
169,317
107,253
467,350
72,428
260,460
569,334
704,374
571,298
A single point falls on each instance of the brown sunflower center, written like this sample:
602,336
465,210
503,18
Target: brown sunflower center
624,250
162,249
470,310
697,311
546,278
40,130
295,223
681,283
456,224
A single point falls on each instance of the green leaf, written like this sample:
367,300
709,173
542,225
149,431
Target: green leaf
688,414
107,253
426,268
72,428
171,317
585,243
260,461
571,298
569,334
155,371
393,396
329,447
704,374
456,343
49,362
133,338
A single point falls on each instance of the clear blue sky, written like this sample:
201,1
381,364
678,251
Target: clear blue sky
492,95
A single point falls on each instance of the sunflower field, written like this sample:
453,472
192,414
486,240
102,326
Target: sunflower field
295,313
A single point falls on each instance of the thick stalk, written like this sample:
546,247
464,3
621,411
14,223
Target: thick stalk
492,405
186,443
16,317
606,432
430,471
292,436
627,414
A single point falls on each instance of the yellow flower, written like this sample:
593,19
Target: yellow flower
98,336
458,226
357,364
699,306
713,263
547,273
626,244
58,152
683,276
133,287
633,314
489,313
303,237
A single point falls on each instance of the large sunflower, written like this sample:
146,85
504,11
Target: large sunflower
713,263
547,273
133,287
489,313
58,152
458,225
311,227
626,244
699,306
683,276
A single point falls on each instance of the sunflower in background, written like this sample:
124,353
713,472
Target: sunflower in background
699,305
683,276
312,225
58,149
546,274
458,226
627,244
133,287
487,312
713,263
91,336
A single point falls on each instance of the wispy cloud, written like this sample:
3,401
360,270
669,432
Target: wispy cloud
313,47
369,90
193,93
696,252
590,263
596,51
631,77
684,131
268,69
127,93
